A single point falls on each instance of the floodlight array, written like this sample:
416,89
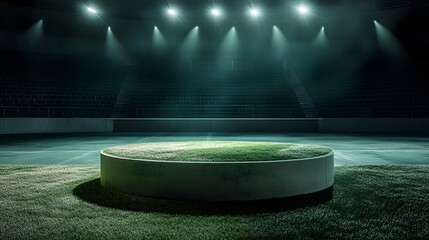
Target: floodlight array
215,11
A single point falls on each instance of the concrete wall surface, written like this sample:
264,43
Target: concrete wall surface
218,181
216,125
324,125
374,125
54,125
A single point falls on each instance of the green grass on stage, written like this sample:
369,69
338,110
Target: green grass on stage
66,202
211,151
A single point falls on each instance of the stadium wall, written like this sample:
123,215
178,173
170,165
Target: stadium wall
216,125
374,125
54,125
323,125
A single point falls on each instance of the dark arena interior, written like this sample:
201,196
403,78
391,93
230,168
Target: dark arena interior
250,119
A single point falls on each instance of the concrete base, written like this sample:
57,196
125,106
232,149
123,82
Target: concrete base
218,181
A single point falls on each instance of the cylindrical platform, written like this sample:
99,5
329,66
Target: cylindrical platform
218,181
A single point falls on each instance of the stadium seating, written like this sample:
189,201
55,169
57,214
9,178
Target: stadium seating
43,85
393,93
76,89
210,93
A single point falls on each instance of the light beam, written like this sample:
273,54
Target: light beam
190,45
114,49
230,45
389,43
321,40
33,37
278,42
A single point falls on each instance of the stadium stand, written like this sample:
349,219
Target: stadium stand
400,92
216,90
80,87
74,88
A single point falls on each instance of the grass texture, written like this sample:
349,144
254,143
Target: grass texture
217,151
66,202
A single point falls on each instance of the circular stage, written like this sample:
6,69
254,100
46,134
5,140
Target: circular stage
217,171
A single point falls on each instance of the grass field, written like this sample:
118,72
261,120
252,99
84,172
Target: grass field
66,202
217,151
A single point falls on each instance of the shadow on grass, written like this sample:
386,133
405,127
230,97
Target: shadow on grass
92,192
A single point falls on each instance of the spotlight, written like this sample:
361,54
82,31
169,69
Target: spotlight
254,12
216,12
303,9
91,10
172,12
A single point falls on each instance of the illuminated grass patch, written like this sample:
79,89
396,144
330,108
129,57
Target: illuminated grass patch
211,151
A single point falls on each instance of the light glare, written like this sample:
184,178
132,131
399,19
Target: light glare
91,10
303,9
216,12
254,12
172,12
